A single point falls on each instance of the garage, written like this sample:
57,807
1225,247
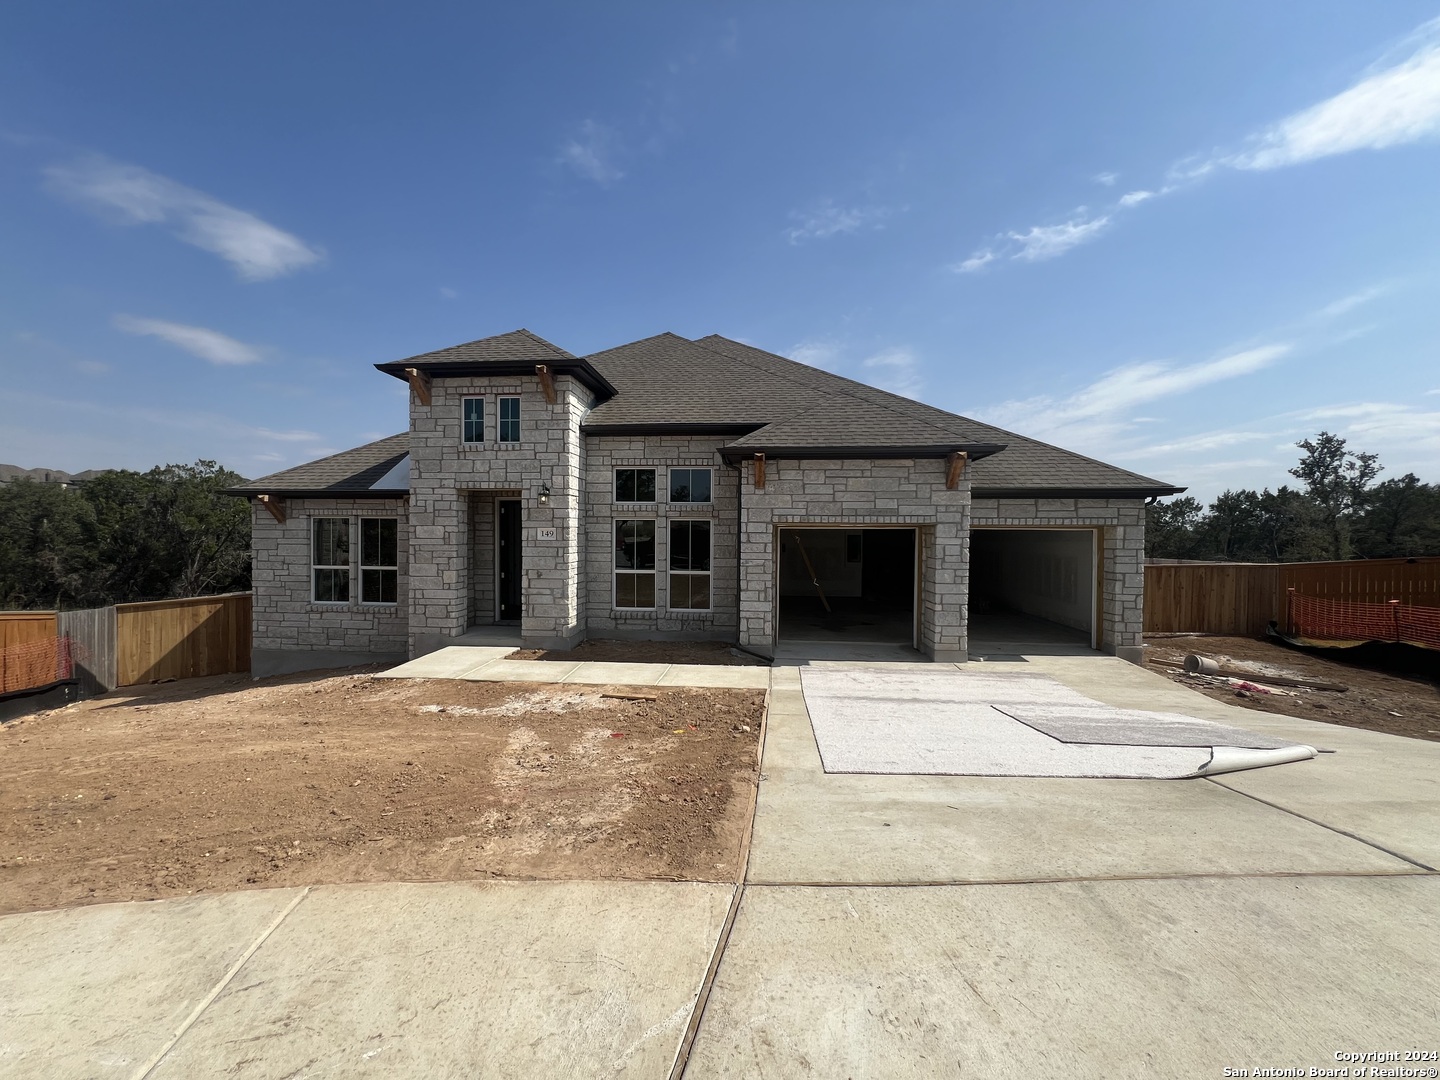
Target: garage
1032,588
847,585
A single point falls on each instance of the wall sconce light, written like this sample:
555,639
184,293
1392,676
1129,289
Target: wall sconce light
544,494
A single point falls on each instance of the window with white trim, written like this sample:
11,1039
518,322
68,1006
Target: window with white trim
690,485
472,422
690,565
509,419
330,560
379,560
634,485
635,563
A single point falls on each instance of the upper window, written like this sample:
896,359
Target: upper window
330,560
634,485
690,485
509,419
379,560
473,422
635,564
690,564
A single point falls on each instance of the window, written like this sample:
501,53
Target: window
379,560
473,420
690,485
509,419
330,559
690,565
634,485
635,564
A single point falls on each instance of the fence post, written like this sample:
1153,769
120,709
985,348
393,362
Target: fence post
1394,619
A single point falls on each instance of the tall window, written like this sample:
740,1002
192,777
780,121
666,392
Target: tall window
634,485
635,564
330,559
379,560
473,423
509,419
690,565
689,485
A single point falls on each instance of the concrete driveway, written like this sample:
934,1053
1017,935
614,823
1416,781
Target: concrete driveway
889,926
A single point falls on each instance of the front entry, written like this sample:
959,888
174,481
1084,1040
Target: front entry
508,559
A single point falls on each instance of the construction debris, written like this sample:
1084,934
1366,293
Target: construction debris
1204,665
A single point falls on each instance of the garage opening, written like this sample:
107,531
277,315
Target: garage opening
1032,588
847,585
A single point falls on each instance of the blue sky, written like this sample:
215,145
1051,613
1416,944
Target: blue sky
1175,237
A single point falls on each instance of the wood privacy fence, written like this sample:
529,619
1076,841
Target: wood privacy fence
1243,598
27,650
130,644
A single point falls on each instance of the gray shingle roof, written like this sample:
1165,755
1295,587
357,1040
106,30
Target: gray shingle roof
518,345
349,474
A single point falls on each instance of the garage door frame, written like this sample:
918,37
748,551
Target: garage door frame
850,526
1097,568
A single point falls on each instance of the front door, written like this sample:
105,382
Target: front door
508,559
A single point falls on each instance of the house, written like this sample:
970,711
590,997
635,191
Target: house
700,489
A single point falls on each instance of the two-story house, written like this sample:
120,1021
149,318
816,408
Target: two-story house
701,489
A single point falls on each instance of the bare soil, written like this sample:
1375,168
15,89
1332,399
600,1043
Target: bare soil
1377,700
223,783
643,652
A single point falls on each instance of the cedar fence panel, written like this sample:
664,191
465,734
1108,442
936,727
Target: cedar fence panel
28,650
1242,598
182,639
92,647
25,627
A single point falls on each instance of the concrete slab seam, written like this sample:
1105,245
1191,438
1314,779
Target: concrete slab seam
697,1012
205,1002
1324,825
947,883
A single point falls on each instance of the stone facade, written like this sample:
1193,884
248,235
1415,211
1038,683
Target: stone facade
604,454
1122,554
860,492
294,633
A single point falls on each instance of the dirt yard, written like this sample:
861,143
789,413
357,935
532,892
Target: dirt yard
222,783
643,652
1398,704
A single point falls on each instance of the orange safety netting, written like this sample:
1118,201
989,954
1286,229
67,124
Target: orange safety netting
38,663
1343,621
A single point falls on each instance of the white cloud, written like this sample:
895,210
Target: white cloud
1106,178
1350,303
978,261
827,220
1394,106
592,153
1048,241
821,354
897,370
1135,198
209,345
1214,440
133,195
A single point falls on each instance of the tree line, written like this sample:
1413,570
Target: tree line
123,536
1338,510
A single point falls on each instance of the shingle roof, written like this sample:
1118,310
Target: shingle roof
350,474
502,348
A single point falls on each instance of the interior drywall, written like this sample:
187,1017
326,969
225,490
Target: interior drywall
838,562
1048,573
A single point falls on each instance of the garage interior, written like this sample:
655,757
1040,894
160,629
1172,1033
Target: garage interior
1032,589
847,585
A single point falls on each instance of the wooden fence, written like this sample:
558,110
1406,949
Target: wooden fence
130,644
1243,598
24,662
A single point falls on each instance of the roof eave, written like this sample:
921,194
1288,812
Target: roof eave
702,428
580,369
975,451
320,493
1076,492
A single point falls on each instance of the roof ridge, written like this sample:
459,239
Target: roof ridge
330,457
556,349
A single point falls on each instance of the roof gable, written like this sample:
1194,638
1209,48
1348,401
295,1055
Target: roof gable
362,472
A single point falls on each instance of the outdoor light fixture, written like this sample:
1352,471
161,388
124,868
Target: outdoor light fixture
544,494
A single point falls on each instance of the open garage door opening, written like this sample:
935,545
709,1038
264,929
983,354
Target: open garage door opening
847,585
1032,590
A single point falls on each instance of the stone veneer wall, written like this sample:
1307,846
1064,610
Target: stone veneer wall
291,631
660,452
860,493
443,473
1122,524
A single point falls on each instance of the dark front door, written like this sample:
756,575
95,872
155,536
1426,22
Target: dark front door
509,559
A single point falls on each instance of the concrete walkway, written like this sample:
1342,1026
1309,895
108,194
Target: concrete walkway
488,664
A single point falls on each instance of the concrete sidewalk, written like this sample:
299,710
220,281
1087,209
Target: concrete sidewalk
488,664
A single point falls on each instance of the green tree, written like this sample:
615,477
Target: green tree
1172,530
1401,517
47,534
1336,482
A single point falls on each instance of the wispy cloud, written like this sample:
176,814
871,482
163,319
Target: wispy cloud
593,152
981,259
208,345
896,369
821,354
1393,106
1349,303
1135,198
1048,241
1106,178
132,195
829,219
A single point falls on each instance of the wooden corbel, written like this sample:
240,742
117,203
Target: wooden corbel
955,467
759,472
547,382
420,383
275,506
